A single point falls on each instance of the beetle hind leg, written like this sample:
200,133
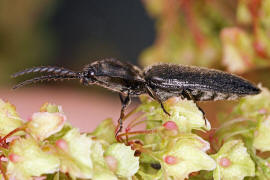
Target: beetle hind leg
163,108
156,97
187,94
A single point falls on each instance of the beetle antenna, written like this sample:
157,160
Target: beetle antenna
48,69
46,78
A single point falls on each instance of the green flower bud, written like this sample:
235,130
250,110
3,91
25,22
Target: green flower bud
27,159
127,163
9,119
233,162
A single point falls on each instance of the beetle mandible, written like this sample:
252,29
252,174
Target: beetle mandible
160,81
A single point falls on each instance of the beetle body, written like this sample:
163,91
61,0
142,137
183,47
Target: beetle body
168,80
160,81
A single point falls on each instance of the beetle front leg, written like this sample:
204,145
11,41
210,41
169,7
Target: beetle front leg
125,101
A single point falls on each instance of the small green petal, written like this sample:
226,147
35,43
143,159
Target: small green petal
44,124
105,131
100,169
27,159
189,151
76,159
51,108
262,135
98,153
239,163
9,119
127,163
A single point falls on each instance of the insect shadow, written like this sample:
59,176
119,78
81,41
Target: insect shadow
160,81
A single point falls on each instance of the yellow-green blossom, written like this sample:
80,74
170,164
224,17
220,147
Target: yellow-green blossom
44,124
184,113
187,155
74,151
101,171
9,119
252,106
27,159
127,163
262,136
233,162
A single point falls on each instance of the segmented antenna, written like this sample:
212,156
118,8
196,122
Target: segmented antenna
48,69
46,78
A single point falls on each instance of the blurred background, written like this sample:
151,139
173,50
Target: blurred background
231,35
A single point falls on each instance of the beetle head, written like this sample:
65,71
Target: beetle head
88,75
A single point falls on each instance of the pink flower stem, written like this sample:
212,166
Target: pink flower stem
125,117
3,140
2,169
130,125
150,131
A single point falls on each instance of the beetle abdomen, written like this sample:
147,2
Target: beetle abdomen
213,96
204,84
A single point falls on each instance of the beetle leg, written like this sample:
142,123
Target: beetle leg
187,94
156,97
125,101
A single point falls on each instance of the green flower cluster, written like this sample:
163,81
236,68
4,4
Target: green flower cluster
48,146
169,147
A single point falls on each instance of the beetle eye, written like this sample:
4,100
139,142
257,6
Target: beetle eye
92,73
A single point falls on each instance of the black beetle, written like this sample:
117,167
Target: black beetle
160,81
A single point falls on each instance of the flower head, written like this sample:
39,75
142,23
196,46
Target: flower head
233,162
